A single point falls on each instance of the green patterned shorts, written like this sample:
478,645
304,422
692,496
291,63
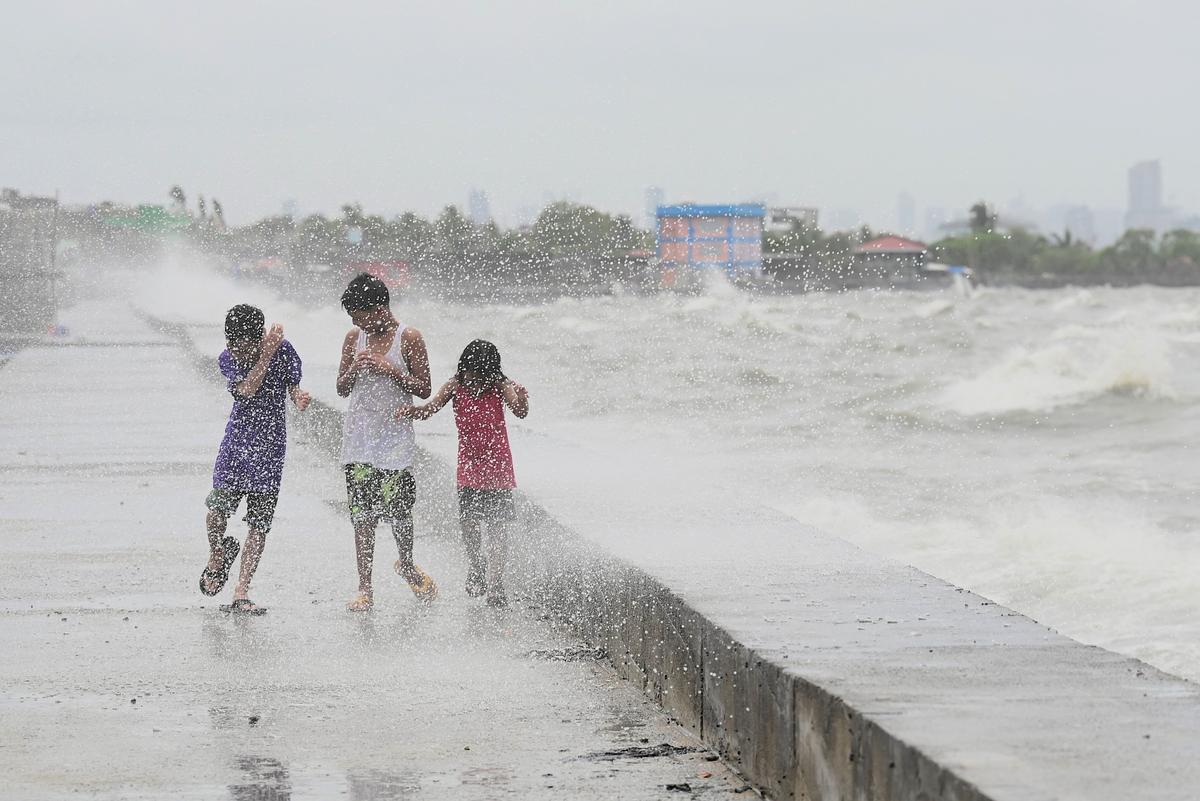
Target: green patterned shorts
375,494
260,506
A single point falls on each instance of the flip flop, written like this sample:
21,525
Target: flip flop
361,603
230,548
244,606
424,587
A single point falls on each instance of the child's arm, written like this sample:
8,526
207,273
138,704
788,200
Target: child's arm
293,367
412,349
347,374
248,387
516,397
427,410
412,346
299,397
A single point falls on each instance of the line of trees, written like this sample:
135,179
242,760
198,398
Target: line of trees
451,247
809,249
1024,256
1011,254
447,244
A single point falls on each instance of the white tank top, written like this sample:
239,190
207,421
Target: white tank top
371,434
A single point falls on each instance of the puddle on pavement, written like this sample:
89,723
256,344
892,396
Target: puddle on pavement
576,653
642,752
265,779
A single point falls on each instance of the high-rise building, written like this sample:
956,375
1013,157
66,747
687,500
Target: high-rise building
906,214
1146,208
654,198
526,216
1110,223
1080,223
1020,213
479,210
935,220
844,219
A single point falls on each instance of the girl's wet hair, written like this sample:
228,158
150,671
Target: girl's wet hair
244,322
483,359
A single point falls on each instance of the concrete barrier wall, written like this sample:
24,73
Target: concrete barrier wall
790,737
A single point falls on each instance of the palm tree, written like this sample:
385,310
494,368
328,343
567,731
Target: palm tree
1064,240
982,219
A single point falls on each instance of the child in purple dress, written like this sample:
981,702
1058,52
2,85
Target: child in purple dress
261,368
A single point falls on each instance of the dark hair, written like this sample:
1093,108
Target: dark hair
482,358
244,322
365,292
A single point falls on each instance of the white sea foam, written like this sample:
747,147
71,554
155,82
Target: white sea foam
934,308
1075,366
1081,297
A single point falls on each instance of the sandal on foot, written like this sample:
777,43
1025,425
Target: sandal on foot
424,587
244,606
229,550
361,603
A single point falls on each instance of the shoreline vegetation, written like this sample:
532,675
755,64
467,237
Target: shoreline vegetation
577,248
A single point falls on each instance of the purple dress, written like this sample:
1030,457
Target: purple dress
251,454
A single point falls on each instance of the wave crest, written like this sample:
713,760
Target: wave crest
1076,367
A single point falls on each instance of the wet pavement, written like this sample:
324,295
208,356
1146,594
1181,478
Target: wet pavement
119,680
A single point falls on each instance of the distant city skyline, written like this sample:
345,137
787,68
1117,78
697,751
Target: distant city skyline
479,207
1097,226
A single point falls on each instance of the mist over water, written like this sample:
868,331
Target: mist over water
1034,446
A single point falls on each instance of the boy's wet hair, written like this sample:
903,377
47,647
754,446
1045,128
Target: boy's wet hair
482,358
244,322
365,292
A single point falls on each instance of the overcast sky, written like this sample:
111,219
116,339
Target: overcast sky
408,106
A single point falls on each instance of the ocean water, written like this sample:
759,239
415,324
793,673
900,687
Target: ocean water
1033,446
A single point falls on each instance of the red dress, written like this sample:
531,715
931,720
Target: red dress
484,457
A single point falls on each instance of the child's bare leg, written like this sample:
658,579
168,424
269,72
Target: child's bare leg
402,532
497,555
472,542
215,523
364,547
422,585
256,540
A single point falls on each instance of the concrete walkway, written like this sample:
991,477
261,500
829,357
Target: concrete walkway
119,680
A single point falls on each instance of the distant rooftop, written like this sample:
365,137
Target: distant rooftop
892,244
726,210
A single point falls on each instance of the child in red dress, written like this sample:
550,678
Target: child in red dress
480,391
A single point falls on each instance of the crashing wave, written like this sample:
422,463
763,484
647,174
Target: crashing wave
1076,367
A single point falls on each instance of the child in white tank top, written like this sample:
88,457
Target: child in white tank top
383,363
